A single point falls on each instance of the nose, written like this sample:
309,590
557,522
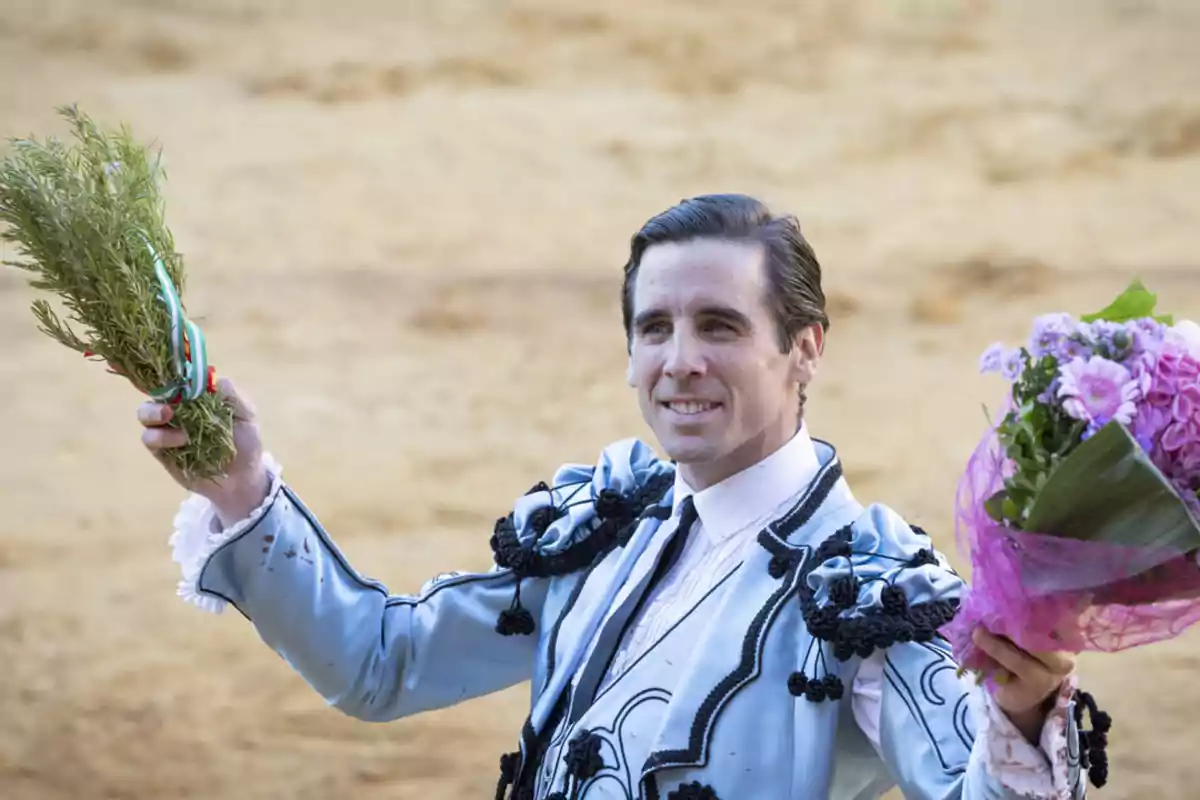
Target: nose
685,356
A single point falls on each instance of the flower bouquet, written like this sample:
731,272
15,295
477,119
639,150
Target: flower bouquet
1079,510
89,222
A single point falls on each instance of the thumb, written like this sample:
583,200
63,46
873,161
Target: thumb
243,408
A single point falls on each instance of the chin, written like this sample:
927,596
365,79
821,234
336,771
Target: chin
689,449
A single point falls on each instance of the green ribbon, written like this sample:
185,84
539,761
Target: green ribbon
189,354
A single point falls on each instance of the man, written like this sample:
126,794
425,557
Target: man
728,623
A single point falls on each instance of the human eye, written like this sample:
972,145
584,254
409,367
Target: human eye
719,326
654,328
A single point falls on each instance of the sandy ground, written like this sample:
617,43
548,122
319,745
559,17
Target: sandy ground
372,196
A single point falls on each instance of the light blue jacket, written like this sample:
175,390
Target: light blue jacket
761,707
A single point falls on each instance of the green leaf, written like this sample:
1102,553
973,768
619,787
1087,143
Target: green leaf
994,505
1135,302
1010,509
1107,490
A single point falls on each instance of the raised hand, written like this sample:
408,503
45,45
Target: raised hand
1025,681
245,483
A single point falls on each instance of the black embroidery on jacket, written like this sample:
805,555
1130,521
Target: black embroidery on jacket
618,515
850,629
925,695
750,658
612,738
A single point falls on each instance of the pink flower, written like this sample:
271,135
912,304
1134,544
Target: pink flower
1186,404
1098,390
1149,424
1179,434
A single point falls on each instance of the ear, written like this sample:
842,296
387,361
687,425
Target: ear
629,373
807,348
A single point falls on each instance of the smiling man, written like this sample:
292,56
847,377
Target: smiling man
725,622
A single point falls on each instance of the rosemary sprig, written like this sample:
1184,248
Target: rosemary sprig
88,223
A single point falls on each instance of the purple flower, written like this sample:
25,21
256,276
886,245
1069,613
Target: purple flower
1148,424
1178,435
1186,405
1075,347
1098,391
1167,425
1114,340
1046,398
1013,366
1145,335
1049,331
992,359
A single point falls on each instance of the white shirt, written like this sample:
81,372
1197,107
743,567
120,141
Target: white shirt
731,513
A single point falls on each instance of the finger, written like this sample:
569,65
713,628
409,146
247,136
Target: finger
164,438
151,414
1058,663
1006,654
988,667
243,409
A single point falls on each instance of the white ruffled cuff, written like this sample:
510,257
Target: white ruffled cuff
198,534
1035,773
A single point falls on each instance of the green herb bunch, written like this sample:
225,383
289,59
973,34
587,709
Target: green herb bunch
88,222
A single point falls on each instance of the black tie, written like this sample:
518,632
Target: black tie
614,629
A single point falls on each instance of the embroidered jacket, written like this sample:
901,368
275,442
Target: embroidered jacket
745,698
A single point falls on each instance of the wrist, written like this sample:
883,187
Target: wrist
1031,721
242,499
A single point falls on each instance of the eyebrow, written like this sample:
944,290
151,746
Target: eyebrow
721,312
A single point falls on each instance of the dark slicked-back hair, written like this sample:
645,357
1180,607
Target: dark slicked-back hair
793,272
794,294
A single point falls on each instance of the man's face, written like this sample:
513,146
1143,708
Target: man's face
705,359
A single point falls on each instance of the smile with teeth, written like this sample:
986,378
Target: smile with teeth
691,407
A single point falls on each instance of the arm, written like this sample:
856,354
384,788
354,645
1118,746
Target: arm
940,735
944,737
371,654
379,656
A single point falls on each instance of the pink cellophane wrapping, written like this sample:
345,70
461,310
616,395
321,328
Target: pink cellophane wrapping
1047,593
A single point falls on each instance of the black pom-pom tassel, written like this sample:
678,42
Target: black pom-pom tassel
843,592
515,621
508,772
612,505
540,486
797,684
893,601
541,518
1093,744
693,791
583,757
924,556
832,548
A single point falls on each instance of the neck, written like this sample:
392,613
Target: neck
701,475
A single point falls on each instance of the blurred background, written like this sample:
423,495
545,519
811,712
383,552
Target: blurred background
404,224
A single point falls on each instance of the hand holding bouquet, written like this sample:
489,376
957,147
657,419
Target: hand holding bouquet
1080,509
89,222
